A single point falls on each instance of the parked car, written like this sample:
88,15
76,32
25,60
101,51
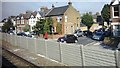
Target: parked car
98,36
108,33
87,33
78,33
11,32
21,34
69,38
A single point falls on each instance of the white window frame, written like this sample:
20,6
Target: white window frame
18,22
59,18
22,21
66,18
113,12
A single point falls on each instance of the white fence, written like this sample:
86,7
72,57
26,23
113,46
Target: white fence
69,54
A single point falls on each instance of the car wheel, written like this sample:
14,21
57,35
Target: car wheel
76,41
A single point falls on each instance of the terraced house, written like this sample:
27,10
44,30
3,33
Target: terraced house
66,19
22,20
115,17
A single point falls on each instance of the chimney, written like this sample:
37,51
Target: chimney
53,6
43,8
69,3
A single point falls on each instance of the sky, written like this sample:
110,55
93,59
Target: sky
13,7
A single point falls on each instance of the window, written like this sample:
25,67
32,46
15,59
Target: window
22,21
18,22
116,31
117,27
33,21
59,19
116,11
66,18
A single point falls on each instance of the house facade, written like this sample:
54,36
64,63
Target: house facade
34,17
29,18
65,16
21,21
115,17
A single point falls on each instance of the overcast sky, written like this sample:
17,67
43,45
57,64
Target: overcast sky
12,7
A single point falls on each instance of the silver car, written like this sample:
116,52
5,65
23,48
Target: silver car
78,33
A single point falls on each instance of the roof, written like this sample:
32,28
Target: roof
115,2
44,13
26,16
57,11
34,13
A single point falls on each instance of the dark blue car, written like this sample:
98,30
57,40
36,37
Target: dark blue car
69,38
98,36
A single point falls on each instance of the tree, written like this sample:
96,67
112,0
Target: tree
7,25
48,24
43,25
39,26
87,19
106,13
26,28
59,28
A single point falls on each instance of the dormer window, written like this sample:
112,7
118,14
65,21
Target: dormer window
115,11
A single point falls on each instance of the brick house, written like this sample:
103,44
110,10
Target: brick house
115,17
21,21
67,16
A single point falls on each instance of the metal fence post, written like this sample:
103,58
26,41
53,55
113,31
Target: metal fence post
117,59
82,56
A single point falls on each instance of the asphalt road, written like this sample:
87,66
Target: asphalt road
85,40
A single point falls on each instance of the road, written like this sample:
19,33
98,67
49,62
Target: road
84,40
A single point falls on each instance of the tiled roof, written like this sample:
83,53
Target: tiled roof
57,11
34,13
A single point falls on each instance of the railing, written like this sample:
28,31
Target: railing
69,54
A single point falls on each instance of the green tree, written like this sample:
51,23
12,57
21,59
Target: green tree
106,13
7,25
43,25
59,28
87,19
47,25
26,28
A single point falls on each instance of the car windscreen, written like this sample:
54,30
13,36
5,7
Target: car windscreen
98,34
